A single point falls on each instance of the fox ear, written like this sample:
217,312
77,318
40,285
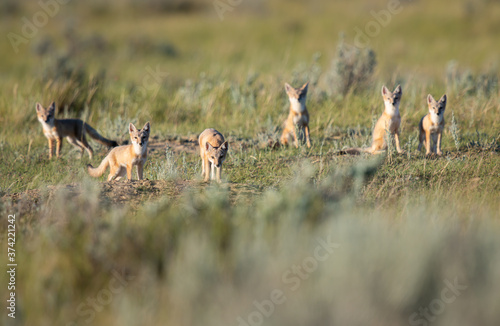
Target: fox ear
384,90
304,87
39,107
146,126
224,146
288,88
430,99
443,99
131,128
398,89
208,146
52,106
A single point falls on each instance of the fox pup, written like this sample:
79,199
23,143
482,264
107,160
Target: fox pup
73,129
389,121
432,124
298,115
122,159
213,150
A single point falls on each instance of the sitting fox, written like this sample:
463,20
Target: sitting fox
432,125
389,121
122,159
213,150
73,129
298,115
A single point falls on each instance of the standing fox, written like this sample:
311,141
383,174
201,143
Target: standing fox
432,124
389,121
73,129
298,115
213,150
122,159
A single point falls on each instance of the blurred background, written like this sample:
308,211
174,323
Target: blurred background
196,36
176,51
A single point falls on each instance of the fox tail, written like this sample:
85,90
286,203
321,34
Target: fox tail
98,171
356,151
95,135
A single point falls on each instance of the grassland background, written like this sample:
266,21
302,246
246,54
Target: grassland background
201,254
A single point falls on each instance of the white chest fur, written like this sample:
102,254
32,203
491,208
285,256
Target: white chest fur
297,106
49,130
435,118
391,110
141,152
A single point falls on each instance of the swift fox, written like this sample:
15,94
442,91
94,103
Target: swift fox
122,159
298,115
73,129
213,150
389,121
432,124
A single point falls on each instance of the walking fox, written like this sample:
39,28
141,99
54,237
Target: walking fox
389,121
122,159
432,125
298,115
73,129
213,150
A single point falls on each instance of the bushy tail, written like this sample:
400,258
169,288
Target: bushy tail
358,151
354,151
98,171
95,135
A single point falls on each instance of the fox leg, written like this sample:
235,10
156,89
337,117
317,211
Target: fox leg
86,145
218,172
51,147
75,143
202,164
296,142
140,171
121,173
212,174
396,138
58,146
285,137
438,145
434,142
113,172
129,172
421,140
206,164
427,142
306,129
116,173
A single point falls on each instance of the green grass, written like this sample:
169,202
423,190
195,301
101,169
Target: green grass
196,253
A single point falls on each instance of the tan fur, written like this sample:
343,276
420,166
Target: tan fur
389,121
432,125
122,159
73,129
298,115
213,150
